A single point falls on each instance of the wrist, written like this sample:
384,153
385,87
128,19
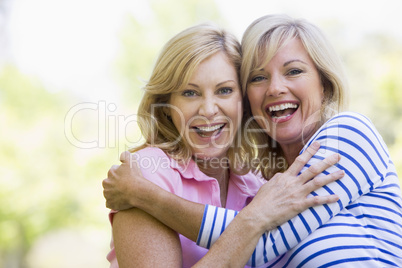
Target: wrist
252,221
139,194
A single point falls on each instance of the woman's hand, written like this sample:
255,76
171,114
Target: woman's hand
283,197
286,194
125,186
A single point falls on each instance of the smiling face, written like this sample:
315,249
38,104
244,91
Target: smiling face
208,111
286,96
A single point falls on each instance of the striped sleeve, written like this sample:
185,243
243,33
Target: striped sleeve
364,158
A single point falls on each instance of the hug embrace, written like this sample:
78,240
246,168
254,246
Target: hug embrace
263,164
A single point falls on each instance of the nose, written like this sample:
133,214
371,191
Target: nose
276,86
209,107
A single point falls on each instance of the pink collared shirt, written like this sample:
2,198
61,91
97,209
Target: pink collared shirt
187,181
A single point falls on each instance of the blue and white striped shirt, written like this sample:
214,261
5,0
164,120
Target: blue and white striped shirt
363,228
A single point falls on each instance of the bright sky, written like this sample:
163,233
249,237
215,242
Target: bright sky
70,44
360,15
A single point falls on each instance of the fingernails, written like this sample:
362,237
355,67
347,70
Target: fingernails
340,173
336,157
315,145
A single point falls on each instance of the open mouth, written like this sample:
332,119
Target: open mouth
282,111
209,131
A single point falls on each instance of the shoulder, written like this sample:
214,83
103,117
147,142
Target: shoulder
150,152
353,133
350,118
151,157
352,126
156,165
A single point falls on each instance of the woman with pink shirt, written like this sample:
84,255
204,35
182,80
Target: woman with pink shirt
191,119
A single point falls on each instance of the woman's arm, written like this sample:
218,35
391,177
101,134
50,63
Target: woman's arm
244,232
125,187
142,241
364,159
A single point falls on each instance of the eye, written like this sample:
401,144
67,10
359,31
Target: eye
189,93
225,90
295,72
258,78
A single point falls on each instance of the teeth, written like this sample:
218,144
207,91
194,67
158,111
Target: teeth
209,129
282,106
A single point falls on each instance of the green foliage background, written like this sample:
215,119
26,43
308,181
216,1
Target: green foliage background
50,190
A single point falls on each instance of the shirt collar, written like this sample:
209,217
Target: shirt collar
189,170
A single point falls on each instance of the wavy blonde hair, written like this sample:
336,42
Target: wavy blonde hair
173,69
261,41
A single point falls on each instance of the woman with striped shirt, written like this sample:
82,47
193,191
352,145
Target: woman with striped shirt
295,88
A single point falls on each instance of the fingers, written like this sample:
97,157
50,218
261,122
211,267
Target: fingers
130,159
321,200
112,170
104,184
125,157
320,181
303,159
319,167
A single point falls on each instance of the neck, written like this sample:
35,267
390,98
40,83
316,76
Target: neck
216,168
290,152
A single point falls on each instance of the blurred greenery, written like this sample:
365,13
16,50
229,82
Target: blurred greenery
49,187
140,43
44,186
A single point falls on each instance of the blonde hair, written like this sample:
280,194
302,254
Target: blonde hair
172,71
261,41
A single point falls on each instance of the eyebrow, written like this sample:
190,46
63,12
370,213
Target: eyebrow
286,64
290,61
194,85
218,85
221,83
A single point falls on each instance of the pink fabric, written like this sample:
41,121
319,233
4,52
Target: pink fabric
187,181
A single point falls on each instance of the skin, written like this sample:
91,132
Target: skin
280,199
211,98
143,241
289,77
